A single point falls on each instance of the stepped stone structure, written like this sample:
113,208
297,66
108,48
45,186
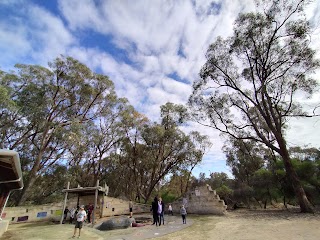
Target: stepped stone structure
201,200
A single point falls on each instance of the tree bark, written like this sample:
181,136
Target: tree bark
31,179
24,193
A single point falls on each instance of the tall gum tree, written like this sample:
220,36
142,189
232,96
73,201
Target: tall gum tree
49,103
248,84
151,151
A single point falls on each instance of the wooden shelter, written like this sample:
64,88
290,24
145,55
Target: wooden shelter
85,191
10,176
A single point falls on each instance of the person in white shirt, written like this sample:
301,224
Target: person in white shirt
81,217
170,209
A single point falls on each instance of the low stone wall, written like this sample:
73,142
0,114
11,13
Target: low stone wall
33,213
107,206
116,206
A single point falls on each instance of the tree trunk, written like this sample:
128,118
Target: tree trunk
31,179
24,192
258,202
305,205
285,202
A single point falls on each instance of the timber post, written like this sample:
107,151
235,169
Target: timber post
95,202
65,203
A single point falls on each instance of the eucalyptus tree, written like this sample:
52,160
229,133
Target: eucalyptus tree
165,150
201,144
50,102
5,100
151,151
248,85
170,149
178,183
98,139
8,113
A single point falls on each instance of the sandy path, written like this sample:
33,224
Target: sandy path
252,225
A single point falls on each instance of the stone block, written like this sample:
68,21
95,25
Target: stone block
116,223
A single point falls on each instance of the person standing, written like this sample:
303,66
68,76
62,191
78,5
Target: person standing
72,214
183,213
159,210
81,217
130,207
65,214
161,218
170,209
90,210
154,208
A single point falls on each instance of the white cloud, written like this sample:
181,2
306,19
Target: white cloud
304,132
13,44
48,33
34,35
83,14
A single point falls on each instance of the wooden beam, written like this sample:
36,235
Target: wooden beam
64,204
95,203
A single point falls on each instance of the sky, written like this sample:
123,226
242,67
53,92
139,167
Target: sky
151,50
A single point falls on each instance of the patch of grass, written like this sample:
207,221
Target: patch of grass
200,229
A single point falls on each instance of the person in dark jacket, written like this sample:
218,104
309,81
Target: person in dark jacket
154,208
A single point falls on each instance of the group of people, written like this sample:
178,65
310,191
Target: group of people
158,208
74,211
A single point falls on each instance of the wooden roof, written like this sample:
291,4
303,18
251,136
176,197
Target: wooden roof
86,190
10,170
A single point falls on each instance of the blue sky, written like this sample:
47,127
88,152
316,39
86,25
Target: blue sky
151,50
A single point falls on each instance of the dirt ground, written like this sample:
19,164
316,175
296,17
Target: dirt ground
235,225
252,225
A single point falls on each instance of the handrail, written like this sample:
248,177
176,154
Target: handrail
10,181
5,203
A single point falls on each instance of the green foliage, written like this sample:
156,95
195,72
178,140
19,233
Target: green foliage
244,158
167,197
218,179
224,191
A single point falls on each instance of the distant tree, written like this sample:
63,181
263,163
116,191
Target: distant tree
249,82
218,179
264,187
244,158
225,193
308,153
179,182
